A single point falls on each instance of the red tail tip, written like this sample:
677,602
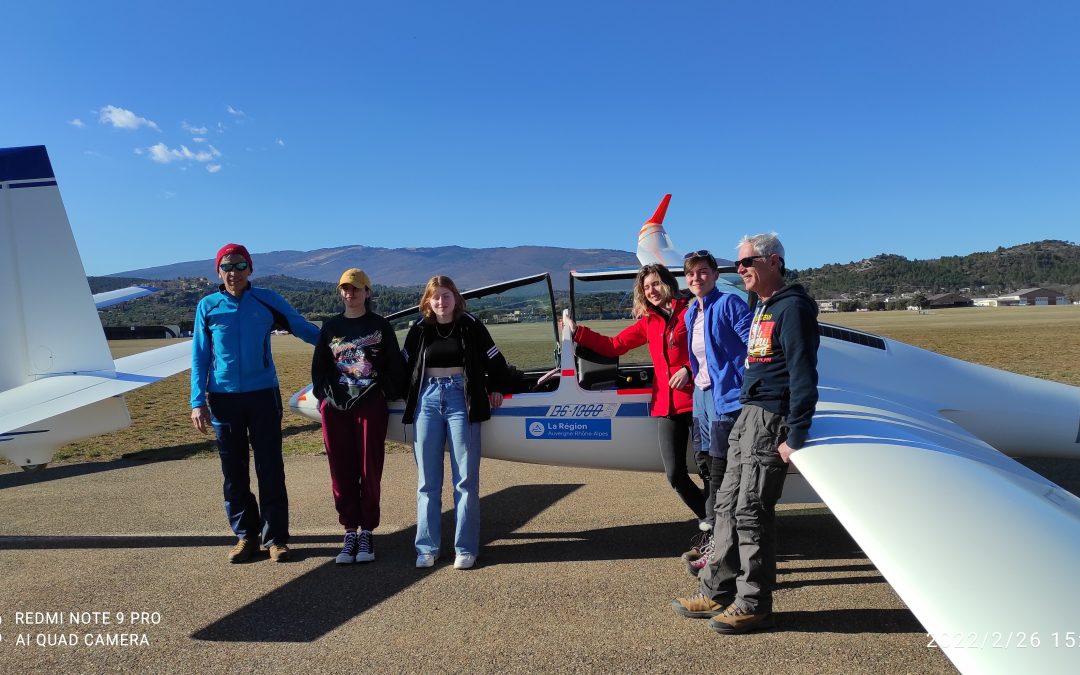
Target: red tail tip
661,211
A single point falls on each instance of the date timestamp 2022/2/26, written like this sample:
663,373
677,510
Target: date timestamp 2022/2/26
1003,640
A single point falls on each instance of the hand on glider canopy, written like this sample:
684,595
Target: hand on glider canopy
495,399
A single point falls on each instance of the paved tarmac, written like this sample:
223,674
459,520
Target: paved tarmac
576,574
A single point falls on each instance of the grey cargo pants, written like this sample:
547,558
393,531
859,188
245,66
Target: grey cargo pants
743,565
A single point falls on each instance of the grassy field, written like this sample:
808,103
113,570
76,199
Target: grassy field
1039,341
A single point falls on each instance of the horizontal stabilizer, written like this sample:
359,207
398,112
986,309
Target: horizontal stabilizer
51,396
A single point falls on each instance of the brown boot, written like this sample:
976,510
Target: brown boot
244,549
279,552
697,606
735,620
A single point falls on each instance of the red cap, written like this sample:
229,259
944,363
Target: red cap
661,211
233,249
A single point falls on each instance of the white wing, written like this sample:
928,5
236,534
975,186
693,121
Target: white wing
110,298
983,550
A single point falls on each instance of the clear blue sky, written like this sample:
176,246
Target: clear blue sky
852,128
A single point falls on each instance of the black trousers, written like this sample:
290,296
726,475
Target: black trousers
673,435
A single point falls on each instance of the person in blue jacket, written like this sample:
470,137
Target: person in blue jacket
234,389
717,328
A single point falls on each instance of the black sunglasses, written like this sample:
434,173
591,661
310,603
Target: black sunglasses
703,253
229,267
748,261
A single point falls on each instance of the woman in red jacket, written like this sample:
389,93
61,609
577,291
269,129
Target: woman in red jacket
660,307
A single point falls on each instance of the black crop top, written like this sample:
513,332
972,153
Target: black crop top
444,349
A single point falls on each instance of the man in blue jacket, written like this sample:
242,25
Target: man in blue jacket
717,328
234,388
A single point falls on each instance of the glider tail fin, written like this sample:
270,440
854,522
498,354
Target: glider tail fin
50,324
654,245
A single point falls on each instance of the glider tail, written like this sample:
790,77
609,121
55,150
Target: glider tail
654,245
50,322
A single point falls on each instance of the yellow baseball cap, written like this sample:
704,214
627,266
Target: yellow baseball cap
356,277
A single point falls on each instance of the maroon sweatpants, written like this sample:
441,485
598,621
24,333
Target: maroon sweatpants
356,446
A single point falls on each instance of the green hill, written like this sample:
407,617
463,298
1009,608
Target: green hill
1043,263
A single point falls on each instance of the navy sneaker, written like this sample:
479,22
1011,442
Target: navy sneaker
366,547
348,550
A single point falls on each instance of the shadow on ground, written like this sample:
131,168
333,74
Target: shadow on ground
330,595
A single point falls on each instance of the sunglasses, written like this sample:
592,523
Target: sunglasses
229,267
703,253
748,261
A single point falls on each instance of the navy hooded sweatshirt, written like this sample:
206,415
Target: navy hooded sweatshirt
781,360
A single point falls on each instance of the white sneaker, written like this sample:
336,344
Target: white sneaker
425,560
464,561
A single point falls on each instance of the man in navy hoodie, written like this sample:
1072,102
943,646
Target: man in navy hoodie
779,393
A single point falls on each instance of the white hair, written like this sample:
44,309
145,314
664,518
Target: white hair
764,244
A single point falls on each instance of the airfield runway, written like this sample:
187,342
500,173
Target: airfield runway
576,573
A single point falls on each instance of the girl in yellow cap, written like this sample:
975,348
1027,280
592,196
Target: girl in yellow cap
356,368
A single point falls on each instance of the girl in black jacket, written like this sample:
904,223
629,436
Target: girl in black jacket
456,376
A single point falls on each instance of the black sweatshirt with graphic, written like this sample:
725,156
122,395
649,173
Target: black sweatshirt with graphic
781,360
353,356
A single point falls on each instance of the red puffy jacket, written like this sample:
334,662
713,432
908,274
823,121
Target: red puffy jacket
668,347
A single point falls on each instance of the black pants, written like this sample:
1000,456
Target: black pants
252,418
673,435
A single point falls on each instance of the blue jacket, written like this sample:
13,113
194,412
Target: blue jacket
230,347
727,327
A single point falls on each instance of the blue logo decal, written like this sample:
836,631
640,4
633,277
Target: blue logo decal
568,429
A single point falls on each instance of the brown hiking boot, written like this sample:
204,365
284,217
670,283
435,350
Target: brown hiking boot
279,552
244,549
734,620
697,606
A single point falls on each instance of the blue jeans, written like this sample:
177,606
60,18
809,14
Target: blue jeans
252,417
442,417
701,435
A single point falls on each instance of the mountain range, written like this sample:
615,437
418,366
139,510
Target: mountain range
399,274
468,267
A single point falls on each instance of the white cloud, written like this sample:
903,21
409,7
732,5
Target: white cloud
280,142
221,127
163,154
234,111
138,151
169,195
194,131
198,139
124,119
77,123
213,168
